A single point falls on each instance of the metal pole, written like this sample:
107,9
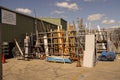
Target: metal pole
0,54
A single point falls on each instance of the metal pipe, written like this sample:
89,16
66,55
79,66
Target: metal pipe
26,45
46,45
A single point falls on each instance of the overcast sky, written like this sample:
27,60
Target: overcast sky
105,13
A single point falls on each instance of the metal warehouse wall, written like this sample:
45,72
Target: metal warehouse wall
64,23
44,26
56,21
24,24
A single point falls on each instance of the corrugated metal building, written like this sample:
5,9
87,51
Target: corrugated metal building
16,25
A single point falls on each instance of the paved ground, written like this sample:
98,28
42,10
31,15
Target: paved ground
41,70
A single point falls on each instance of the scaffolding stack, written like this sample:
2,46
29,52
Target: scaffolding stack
63,43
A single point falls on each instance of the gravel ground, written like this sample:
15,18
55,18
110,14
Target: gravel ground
41,70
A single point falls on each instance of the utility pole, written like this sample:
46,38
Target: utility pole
0,53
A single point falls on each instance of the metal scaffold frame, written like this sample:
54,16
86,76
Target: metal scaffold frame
63,43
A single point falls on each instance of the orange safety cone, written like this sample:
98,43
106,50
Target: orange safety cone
3,58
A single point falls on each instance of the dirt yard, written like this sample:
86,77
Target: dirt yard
42,70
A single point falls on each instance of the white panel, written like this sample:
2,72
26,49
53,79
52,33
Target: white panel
89,53
8,17
89,59
90,42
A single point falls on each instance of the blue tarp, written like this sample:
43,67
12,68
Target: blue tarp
107,56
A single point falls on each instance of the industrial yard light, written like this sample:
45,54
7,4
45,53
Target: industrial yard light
0,54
